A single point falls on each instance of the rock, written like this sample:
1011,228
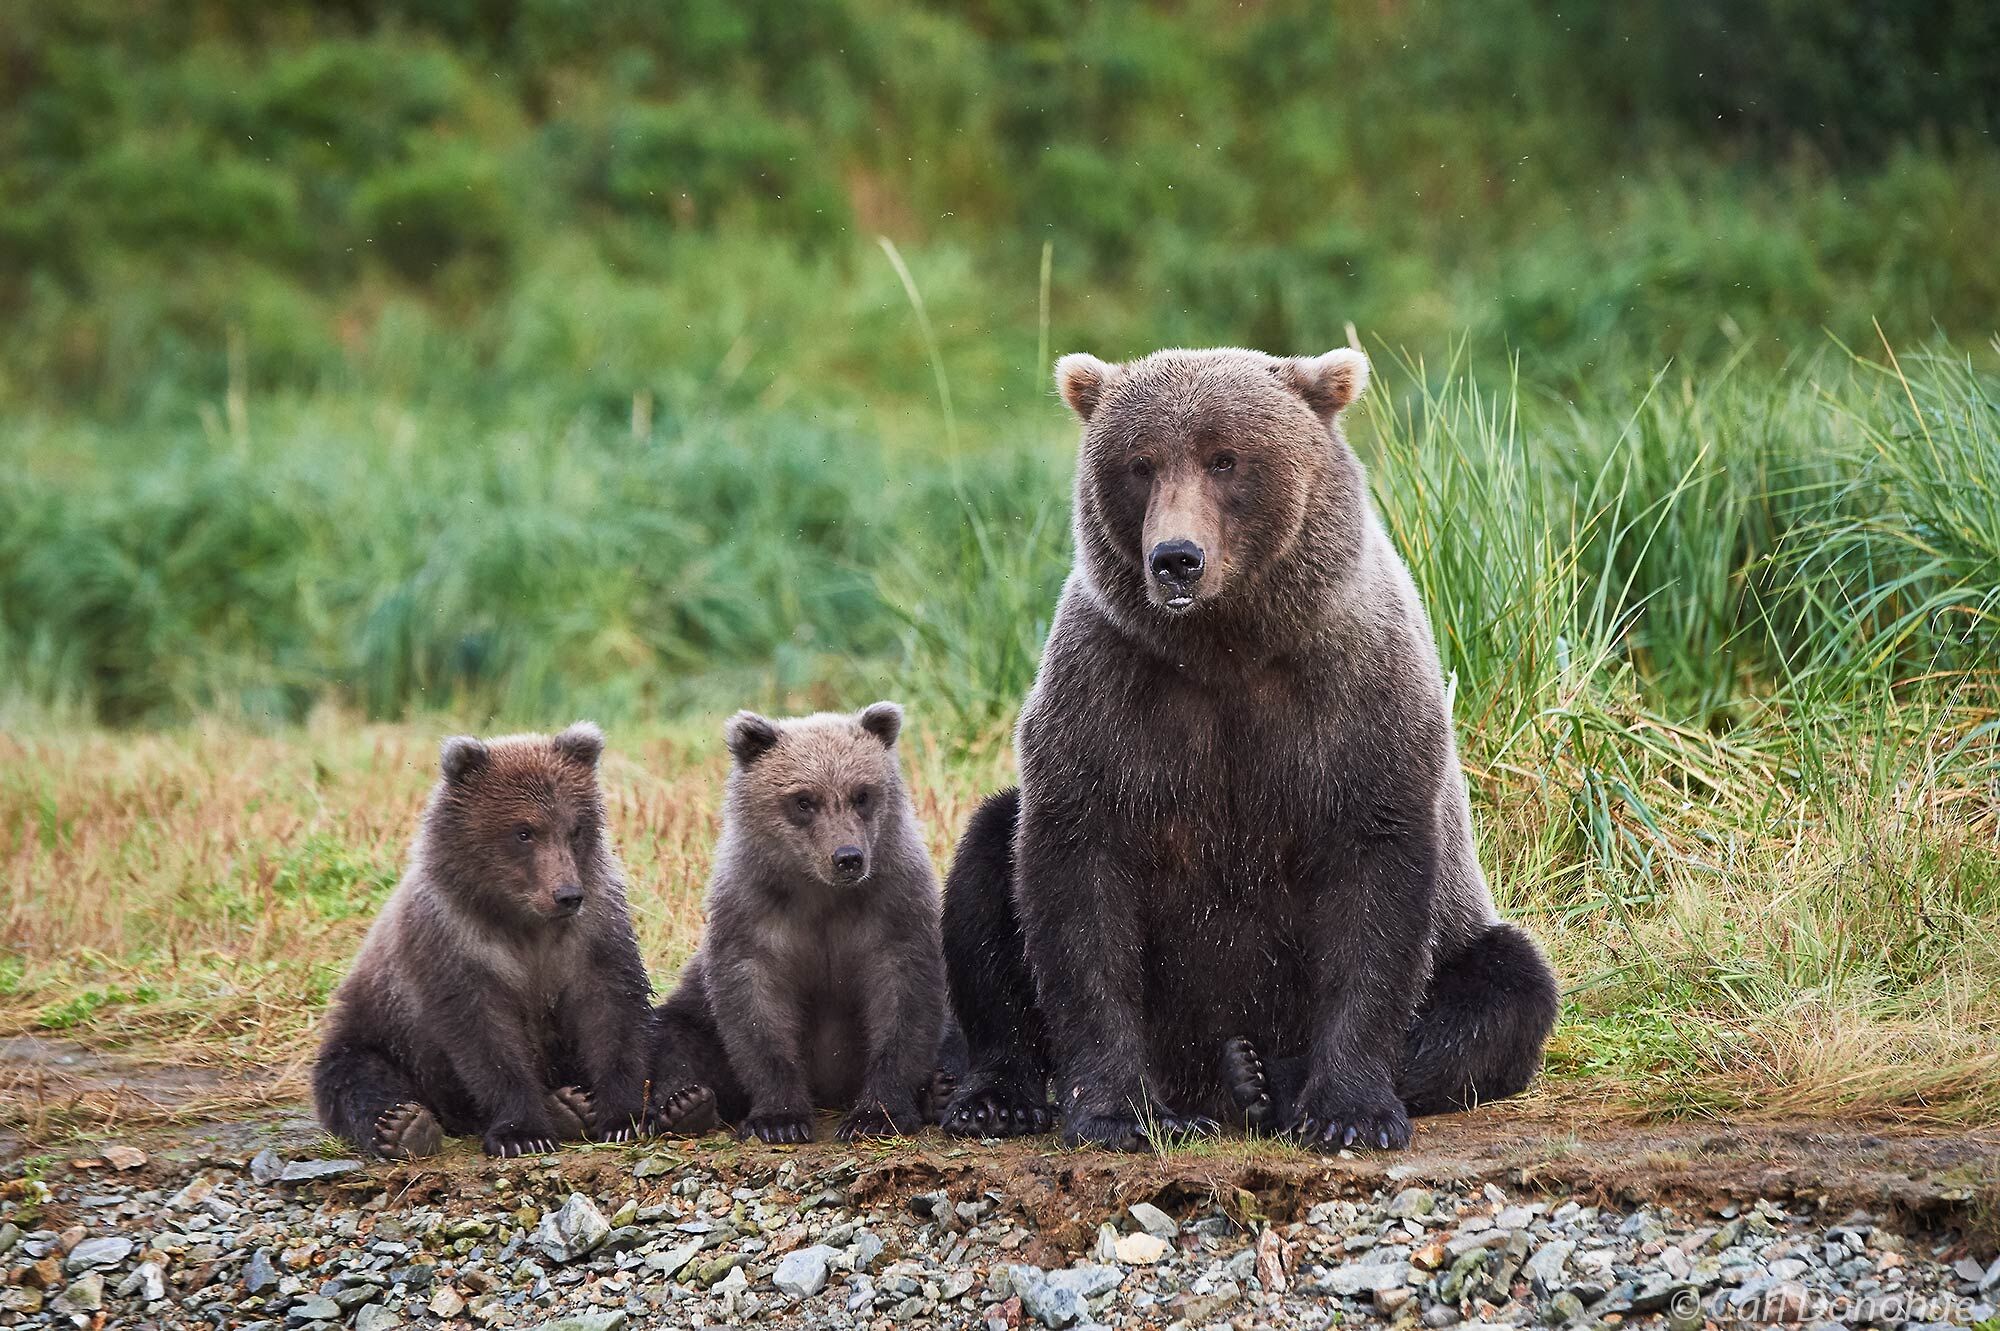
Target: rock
147,1283
306,1171
1087,1280
1273,1259
1545,1269
625,1214
259,1275
86,1295
600,1321
711,1272
267,1166
1393,1300
376,1317
1050,1304
1140,1249
802,1274
655,1165
313,1309
123,1157
863,1252
1360,1277
1411,1203
572,1232
1990,1282
1967,1269
670,1262
92,1253
1154,1221
10,1234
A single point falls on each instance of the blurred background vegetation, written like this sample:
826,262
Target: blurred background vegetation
521,356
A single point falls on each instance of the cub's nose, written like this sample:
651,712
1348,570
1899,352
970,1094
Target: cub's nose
848,862
1178,562
569,898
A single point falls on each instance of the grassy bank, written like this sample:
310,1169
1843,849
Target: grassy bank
1723,658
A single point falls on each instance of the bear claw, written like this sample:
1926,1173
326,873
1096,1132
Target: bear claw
688,1112
407,1131
877,1120
1249,1086
778,1129
997,1114
507,1143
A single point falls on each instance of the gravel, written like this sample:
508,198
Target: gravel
697,1238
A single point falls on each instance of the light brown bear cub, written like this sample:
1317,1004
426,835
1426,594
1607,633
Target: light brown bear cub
500,993
819,982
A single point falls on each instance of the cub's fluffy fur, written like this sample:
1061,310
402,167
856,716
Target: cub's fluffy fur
1238,880
819,981
500,993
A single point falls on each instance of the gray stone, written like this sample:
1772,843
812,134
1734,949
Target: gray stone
305,1171
1087,1280
259,1275
376,1317
313,1309
267,1166
1545,1269
613,1320
1411,1203
93,1253
670,1262
86,1295
1155,1221
802,1274
1048,1303
573,1231
1353,1278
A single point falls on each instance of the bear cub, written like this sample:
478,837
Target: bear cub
819,981
500,993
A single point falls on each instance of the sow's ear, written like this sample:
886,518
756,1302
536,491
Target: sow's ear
749,737
582,744
461,756
1330,383
883,720
1082,380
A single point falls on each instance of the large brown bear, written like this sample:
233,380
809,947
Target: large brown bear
500,992
1238,880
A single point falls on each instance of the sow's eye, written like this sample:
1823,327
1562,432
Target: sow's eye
1141,469
523,832
1222,462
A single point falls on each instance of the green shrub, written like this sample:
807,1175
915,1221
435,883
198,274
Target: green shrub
449,206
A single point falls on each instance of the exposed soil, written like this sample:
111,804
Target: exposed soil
58,1099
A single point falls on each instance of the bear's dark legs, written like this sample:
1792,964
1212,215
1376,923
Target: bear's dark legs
1004,1091
693,1090
1477,1037
371,1103
1479,1032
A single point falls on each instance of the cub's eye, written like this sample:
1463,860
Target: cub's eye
1222,462
862,801
524,833
1142,469
804,804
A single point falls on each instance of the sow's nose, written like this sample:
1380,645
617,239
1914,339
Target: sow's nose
569,898
848,862
1177,562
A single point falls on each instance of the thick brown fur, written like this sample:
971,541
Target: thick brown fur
819,982
1239,874
500,993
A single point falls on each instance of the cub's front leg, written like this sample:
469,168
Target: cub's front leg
903,1006
758,1018
608,1021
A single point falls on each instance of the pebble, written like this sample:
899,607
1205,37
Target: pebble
1154,1221
803,1273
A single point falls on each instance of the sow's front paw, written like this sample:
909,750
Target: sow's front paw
1337,1117
783,1128
512,1139
1112,1132
873,1118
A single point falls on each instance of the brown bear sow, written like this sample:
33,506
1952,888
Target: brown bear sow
1238,879
500,993
819,982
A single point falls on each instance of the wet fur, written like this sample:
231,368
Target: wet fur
468,998
1243,821
810,993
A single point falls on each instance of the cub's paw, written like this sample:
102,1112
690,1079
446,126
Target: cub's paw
509,1140
687,1112
1112,1132
407,1131
572,1112
875,1119
1165,1130
1249,1088
785,1128
996,1111
1334,1120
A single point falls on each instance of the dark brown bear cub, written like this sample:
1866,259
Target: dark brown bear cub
1238,880
500,993
819,982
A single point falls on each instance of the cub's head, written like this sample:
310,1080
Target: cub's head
1200,469
516,825
812,796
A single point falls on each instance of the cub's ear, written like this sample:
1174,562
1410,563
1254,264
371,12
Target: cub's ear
749,736
460,757
883,720
1082,380
582,744
1330,383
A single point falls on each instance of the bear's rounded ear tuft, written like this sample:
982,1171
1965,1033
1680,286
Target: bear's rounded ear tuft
1331,383
582,744
749,736
459,757
883,720
1082,380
